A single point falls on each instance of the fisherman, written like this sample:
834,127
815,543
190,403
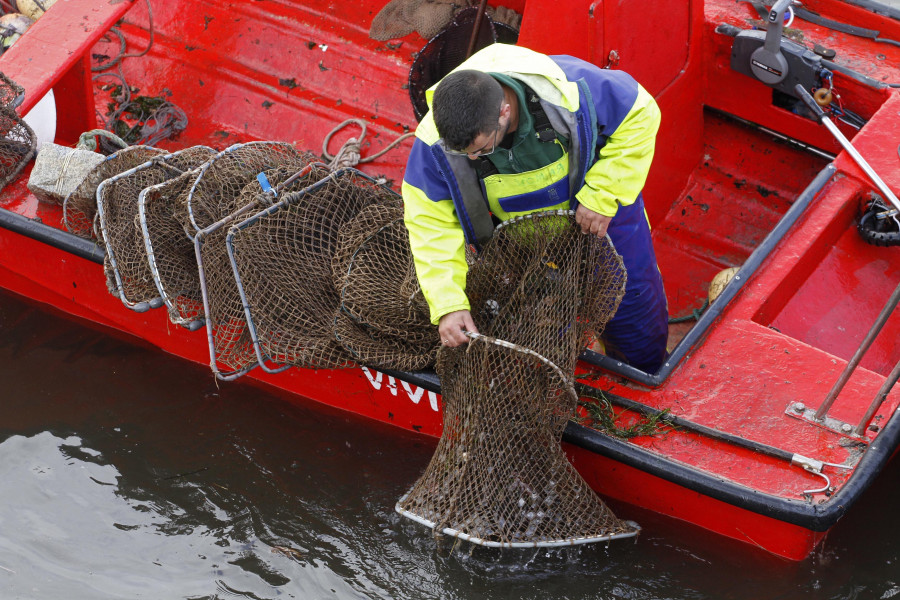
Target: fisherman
513,131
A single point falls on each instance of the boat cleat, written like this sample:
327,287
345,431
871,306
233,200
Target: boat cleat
799,410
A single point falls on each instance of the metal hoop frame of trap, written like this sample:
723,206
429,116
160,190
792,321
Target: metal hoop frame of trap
211,162
488,544
189,324
575,541
142,306
204,291
18,137
229,245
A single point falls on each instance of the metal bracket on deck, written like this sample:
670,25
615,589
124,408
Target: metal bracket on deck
798,410
811,465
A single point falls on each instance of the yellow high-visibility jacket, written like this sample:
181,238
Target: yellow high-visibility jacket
610,122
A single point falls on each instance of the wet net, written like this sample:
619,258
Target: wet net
287,261
80,207
18,144
227,190
499,477
126,264
447,50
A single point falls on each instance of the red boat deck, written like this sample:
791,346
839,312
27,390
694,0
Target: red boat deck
293,71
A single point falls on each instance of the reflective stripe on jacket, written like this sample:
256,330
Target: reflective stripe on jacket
609,120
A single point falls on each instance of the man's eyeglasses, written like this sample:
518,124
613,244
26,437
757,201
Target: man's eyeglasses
481,151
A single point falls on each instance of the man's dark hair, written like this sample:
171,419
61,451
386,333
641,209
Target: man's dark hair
466,103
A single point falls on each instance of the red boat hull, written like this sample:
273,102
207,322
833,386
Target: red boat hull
721,193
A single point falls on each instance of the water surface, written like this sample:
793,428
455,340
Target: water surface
127,473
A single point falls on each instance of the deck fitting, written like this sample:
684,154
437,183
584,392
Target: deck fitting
799,410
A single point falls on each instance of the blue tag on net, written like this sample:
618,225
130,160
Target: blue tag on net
264,183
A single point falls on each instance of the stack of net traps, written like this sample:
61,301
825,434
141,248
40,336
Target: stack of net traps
326,278
285,262
291,264
236,183
499,477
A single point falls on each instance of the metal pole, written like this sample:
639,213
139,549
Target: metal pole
879,399
804,95
476,28
857,357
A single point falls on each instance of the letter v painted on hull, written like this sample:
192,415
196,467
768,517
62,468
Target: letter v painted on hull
414,392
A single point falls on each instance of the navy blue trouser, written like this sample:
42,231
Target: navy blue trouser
638,332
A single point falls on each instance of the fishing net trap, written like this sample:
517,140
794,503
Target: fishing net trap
294,261
126,263
499,476
80,206
383,318
162,210
18,142
228,187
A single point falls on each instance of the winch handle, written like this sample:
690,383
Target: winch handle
807,98
854,154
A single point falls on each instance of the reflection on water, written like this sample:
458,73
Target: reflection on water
129,474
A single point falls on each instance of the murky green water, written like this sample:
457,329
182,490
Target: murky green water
125,473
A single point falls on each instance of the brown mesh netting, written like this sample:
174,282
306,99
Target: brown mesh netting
383,319
399,18
217,192
499,476
10,91
80,207
447,50
17,145
163,210
226,191
286,261
126,264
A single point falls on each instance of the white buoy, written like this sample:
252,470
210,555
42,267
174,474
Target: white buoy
42,119
720,281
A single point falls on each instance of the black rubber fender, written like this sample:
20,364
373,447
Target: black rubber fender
878,232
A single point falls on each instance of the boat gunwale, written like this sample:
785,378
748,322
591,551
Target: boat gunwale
696,334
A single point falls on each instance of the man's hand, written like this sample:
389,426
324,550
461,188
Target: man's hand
452,325
590,221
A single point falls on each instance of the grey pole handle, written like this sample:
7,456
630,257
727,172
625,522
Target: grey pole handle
854,154
807,98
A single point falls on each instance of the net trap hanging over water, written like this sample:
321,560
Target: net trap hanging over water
539,291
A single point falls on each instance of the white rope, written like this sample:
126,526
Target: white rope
350,153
